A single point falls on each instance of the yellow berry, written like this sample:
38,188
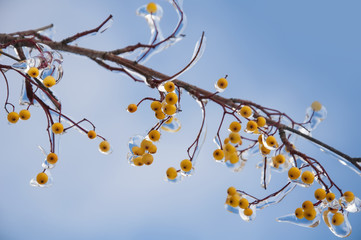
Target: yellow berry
307,205
234,200
152,149
145,144
271,141
316,106
299,213
92,134
171,98
186,165
24,114
275,164
235,127
248,212
42,178
320,194
169,86
234,137
330,196
222,83
307,177
264,150
228,148
49,81
261,121
159,115
310,214
233,158
170,109
294,173
337,219
252,126
13,117
138,161
171,173
245,111
154,135
243,203
156,106
57,128
260,139
280,159
104,146
226,140
152,7
33,72
231,191
349,196
138,150
52,158
218,154
132,108
147,159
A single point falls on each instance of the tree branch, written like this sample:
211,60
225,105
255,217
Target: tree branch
152,75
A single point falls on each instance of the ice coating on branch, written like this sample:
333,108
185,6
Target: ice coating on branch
197,54
202,135
266,173
353,206
49,63
157,37
276,198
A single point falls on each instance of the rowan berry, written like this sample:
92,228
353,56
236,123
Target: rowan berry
152,7
186,165
24,114
52,158
57,128
42,178
246,111
132,108
169,86
13,117
49,81
222,83
33,72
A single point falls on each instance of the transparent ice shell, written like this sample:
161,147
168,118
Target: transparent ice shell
291,218
343,230
172,127
49,183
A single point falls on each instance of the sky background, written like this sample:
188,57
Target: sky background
280,54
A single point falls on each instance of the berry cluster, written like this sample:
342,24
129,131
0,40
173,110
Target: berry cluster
165,109
41,72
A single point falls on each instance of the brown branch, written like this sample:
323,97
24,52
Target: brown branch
150,74
79,35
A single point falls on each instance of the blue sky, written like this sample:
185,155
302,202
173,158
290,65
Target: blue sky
281,54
